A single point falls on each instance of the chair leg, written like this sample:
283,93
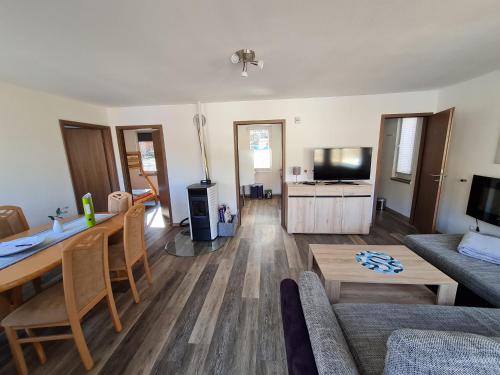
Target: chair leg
113,312
38,347
81,344
17,351
133,287
147,270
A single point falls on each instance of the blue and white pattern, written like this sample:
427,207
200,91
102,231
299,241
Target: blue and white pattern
379,262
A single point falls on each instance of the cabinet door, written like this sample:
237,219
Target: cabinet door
328,214
356,214
300,215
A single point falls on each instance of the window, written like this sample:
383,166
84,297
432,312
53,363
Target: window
405,148
260,144
147,151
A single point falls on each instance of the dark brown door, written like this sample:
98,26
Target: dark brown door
436,140
90,162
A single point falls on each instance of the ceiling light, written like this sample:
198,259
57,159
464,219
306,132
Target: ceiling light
246,56
235,59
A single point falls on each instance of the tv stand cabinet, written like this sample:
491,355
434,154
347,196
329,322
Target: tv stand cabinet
329,209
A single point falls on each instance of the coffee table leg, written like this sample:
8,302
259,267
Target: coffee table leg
446,294
332,289
310,260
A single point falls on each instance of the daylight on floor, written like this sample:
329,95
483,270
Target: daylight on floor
267,187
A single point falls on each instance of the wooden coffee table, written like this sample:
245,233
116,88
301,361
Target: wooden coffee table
337,264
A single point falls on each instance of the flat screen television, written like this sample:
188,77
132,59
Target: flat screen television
484,199
342,164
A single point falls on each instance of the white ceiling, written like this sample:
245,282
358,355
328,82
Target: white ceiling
129,52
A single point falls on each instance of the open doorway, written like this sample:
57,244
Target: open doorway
259,160
411,164
144,165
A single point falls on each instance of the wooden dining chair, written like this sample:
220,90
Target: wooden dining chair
119,201
123,256
85,283
13,221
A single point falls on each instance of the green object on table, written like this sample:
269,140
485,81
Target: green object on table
88,209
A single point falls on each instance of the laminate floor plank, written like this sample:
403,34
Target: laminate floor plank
223,339
171,357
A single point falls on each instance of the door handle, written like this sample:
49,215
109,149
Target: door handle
435,175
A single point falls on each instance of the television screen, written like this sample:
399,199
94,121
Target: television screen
336,164
484,199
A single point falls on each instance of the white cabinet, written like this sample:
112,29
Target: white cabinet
300,214
328,214
339,209
356,212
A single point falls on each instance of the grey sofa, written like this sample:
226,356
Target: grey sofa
352,338
480,277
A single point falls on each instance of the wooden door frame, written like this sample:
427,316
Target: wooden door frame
108,148
282,123
120,137
388,116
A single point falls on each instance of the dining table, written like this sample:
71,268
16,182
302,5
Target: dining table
45,260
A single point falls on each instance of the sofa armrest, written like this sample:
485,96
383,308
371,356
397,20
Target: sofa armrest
328,343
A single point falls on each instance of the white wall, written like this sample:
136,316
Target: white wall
271,179
326,122
398,194
34,172
247,172
474,140
181,146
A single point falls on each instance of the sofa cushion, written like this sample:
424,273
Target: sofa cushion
330,349
483,278
299,355
367,327
414,352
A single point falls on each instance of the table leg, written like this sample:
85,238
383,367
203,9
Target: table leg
5,308
332,289
446,294
310,260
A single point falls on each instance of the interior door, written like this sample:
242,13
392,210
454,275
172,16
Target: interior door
90,165
430,178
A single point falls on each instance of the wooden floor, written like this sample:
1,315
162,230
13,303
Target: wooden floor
213,314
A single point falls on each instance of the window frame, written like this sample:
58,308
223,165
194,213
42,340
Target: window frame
399,176
269,134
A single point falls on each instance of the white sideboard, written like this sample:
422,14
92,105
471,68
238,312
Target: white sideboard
333,209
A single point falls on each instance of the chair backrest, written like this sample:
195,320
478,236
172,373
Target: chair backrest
133,233
12,221
85,269
119,201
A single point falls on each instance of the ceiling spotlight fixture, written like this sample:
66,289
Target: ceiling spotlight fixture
246,56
